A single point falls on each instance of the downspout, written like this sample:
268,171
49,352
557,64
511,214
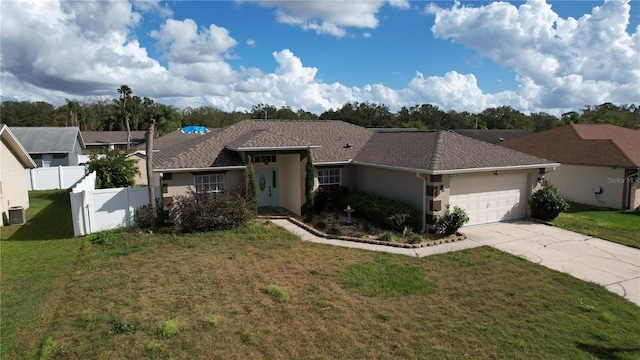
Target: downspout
423,220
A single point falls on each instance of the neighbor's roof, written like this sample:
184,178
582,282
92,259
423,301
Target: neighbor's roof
46,140
440,152
112,137
173,138
492,136
9,138
584,144
328,140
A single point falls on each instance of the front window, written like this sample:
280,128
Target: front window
209,183
329,179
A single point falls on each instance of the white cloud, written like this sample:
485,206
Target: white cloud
330,17
560,62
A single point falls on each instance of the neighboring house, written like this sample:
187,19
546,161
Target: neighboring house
425,169
14,159
51,146
98,141
493,136
163,142
600,162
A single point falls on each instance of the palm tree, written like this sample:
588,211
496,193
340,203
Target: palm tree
125,96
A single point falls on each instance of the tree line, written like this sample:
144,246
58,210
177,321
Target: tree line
130,112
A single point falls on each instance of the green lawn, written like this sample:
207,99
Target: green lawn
260,292
36,260
614,225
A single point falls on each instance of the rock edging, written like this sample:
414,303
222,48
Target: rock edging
457,237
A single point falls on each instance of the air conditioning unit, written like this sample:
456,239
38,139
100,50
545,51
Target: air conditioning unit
16,215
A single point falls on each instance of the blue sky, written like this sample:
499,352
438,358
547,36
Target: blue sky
551,56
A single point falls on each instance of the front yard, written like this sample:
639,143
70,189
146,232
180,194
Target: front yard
618,226
261,292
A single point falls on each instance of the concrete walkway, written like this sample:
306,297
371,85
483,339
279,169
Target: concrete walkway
614,266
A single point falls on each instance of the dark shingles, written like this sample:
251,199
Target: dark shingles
439,151
42,140
112,137
492,136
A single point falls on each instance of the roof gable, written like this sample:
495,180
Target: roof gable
583,144
16,147
44,140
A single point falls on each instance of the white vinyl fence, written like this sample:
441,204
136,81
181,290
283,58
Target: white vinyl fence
56,177
103,209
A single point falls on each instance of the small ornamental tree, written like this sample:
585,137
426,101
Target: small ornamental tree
113,169
252,190
547,203
309,182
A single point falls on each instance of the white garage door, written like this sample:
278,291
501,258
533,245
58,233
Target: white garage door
490,198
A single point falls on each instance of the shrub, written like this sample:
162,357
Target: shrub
547,203
386,236
201,212
380,210
142,217
168,328
333,230
452,221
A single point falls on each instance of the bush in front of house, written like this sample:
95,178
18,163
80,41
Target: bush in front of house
451,221
380,210
202,212
547,203
142,217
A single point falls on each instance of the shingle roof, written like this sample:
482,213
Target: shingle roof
174,138
492,136
213,148
440,151
584,144
112,137
45,140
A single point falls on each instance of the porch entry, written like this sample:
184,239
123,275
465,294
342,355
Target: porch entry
267,184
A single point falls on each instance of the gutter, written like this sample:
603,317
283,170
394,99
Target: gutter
455,171
210,169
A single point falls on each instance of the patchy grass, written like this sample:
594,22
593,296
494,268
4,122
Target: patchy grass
177,295
618,226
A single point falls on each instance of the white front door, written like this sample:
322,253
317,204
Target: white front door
490,198
267,184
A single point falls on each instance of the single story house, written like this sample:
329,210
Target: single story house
14,159
427,169
51,146
600,162
493,136
98,141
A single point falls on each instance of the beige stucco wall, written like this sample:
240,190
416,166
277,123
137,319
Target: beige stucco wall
398,185
13,182
141,163
576,183
180,183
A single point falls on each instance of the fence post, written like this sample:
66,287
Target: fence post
128,207
60,177
33,179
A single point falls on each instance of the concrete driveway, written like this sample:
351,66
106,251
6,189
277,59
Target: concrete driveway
614,266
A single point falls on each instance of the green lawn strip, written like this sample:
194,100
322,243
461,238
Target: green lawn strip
212,289
34,273
618,226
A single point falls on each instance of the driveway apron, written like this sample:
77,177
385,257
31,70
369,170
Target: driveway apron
614,266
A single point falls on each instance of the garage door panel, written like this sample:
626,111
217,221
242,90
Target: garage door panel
490,198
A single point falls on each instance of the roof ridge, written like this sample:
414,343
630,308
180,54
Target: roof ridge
437,150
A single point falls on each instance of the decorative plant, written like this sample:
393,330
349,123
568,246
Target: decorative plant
252,190
547,203
309,182
451,221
